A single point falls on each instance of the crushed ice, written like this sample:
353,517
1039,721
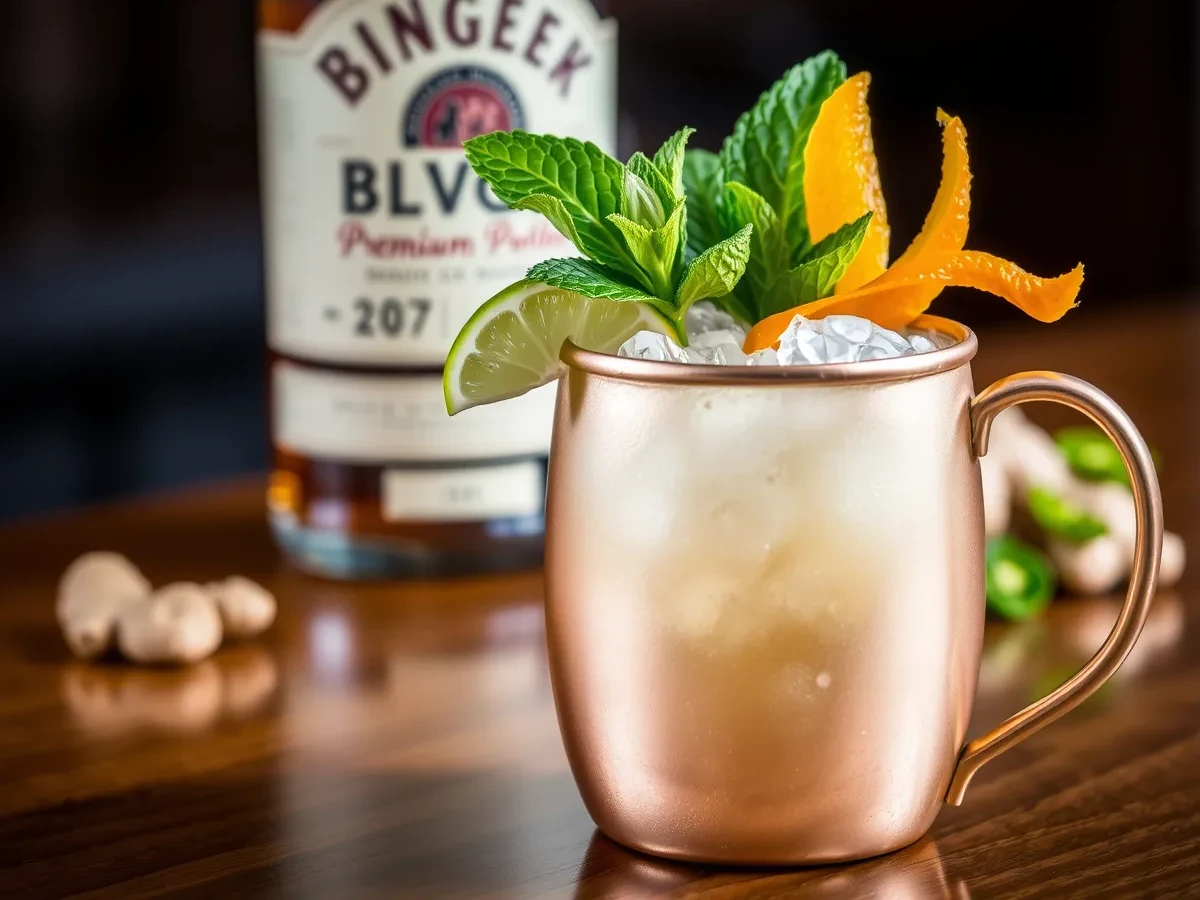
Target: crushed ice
716,338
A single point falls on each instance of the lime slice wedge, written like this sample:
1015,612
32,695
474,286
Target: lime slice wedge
511,344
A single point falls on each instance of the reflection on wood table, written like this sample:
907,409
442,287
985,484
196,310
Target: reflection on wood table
400,740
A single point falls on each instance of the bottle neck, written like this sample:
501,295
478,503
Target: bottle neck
284,15
289,15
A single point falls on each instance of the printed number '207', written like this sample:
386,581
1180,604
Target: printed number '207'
391,317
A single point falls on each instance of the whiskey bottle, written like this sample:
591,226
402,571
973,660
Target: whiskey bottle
380,243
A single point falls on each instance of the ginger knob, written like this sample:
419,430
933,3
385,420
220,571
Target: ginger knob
997,496
178,624
247,608
1095,567
94,592
1173,560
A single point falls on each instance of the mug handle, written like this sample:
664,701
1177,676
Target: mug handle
1147,501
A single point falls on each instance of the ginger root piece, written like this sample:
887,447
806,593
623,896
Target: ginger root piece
997,496
247,608
1028,454
94,592
1030,458
1094,567
178,624
1173,560
1113,505
1101,565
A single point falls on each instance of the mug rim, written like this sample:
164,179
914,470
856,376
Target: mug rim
874,371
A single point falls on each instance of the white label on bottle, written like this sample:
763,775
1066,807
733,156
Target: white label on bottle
381,241
509,491
381,418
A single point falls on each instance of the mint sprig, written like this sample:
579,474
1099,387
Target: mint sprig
820,269
657,250
587,182
716,271
686,225
702,184
670,156
769,257
766,150
583,276
628,220
758,179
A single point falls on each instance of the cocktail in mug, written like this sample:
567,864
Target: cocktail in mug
765,596
765,551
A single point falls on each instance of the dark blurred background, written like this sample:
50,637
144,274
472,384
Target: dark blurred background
130,259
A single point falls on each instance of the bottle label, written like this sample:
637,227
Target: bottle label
380,239
513,490
361,418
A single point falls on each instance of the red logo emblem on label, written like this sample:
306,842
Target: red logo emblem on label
460,103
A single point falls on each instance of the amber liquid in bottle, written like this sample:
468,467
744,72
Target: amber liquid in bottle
380,243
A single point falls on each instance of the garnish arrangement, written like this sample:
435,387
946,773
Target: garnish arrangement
787,220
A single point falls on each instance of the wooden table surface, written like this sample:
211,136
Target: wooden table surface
400,740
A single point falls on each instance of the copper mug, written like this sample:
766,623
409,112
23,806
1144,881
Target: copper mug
765,596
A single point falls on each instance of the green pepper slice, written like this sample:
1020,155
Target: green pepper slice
1020,580
1062,518
1092,455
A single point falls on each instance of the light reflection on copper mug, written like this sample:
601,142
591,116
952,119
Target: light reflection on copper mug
765,596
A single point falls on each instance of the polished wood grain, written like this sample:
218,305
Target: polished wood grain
400,740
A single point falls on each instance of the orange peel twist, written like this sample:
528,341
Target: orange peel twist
841,179
946,224
895,297
906,294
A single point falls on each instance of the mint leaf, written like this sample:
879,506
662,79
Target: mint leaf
702,184
766,150
580,175
850,233
583,276
641,166
716,271
669,159
769,255
656,250
641,202
636,236
668,162
818,275
555,212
